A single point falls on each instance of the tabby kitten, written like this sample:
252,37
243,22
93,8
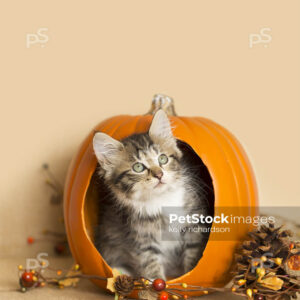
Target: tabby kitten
144,173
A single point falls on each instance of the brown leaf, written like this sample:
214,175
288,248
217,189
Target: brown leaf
251,276
286,233
295,281
241,266
264,248
246,252
69,281
295,251
262,235
272,282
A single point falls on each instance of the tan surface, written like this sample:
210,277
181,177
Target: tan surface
84,290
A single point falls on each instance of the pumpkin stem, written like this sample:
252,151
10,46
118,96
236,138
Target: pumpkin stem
163,102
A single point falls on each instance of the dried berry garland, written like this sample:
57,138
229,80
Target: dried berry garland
59,239
267,267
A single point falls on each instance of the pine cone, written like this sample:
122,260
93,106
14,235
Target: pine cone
266,252
124,285
265,241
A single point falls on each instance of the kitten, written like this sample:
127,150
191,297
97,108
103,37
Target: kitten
144,173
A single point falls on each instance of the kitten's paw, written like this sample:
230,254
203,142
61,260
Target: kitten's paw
123,270
156,276
188,267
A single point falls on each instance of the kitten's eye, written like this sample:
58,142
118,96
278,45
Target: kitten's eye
163,159
138,167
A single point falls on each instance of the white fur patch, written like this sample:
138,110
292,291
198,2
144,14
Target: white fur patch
153,204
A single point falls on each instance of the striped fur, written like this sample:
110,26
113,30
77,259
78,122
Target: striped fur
131,218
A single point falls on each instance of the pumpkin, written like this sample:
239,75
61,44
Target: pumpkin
231,175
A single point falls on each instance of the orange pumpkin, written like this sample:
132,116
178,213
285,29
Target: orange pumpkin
232,178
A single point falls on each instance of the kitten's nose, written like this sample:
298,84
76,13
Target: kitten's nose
157,173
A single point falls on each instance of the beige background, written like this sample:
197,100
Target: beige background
109,57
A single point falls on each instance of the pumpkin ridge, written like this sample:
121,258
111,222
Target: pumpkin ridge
227,155
239,150
249,170
107,124
186,128
127,128
207,129
240,187
84,150
140,123
110,129
186,121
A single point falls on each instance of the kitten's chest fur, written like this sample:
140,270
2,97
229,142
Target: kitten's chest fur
128,234
152,205
158,228
156,215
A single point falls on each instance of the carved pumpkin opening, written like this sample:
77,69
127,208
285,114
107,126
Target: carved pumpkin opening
97,191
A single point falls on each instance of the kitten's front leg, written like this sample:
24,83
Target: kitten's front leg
150,264
192,251
191,256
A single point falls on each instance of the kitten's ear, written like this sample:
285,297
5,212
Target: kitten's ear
160,127
107,149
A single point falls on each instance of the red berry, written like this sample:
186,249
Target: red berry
159,284
163,296
259,297
30,240
27,279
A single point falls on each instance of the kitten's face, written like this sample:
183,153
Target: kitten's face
140,166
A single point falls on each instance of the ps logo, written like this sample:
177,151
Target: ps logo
40,38
38,262
263,37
